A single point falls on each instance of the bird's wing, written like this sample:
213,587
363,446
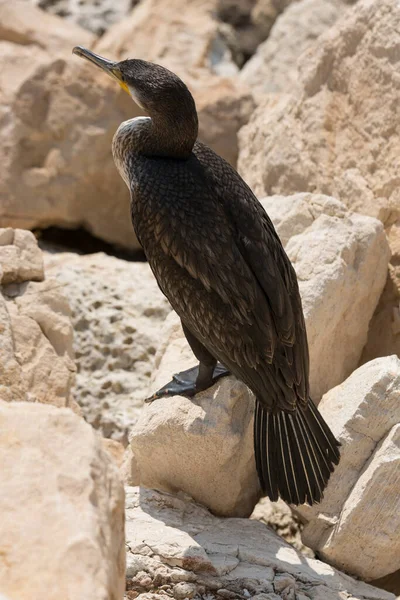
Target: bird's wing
218,260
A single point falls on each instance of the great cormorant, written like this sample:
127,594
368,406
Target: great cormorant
217,258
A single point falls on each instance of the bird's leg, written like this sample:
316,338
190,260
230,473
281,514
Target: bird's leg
189,382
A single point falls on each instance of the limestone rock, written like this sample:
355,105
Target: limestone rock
36,354
205,446
357,525
223,107
273,68
60,117
23,24
341,263
20,257
95,15
117,310
62,508
335,135
173,541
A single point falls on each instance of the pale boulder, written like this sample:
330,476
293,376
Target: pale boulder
179,546
94,15
334,134
341,263
273,68
23,24
341,260
357,525
116,311
62,508
204,447
20,257
35,327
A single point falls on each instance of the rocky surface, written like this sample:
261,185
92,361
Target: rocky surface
21,24
335,135
179,549
62,508
56,167
357,525
341,262
273,68
36,354
205,446
117,311
95,15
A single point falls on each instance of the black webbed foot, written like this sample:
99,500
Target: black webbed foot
190,382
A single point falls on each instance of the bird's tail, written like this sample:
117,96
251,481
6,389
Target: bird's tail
295,453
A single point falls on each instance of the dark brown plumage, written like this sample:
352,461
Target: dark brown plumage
217,258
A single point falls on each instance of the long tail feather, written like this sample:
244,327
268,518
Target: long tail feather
295,453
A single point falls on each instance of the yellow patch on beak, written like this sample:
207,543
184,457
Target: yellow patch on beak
124,86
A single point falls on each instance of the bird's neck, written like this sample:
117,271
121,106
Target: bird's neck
155,137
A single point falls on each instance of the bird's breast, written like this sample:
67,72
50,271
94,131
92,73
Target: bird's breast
126,143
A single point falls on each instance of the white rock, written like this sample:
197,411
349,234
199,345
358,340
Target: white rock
24,24
341,263
292,215
117,311
202,446
20,257
61,507
334,134
172,537
273,68
357,525
35,327
95,15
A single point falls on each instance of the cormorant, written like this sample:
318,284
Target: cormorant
218,260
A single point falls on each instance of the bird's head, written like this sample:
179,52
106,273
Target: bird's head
158,91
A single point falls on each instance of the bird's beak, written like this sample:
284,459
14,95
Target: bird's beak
109,66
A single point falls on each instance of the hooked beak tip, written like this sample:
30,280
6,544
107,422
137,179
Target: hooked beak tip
109,66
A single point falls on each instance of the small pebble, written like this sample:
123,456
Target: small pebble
226,593
184,590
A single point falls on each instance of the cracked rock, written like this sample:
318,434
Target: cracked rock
273,68
36,355
61,506
334,134
357,525
167,534
341,261
117,311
